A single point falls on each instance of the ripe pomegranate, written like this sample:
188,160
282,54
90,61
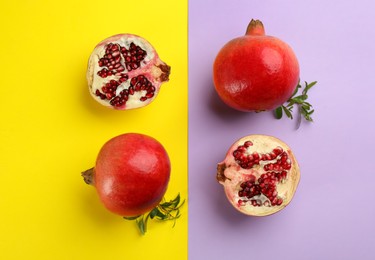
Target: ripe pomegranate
255,72
260,175
125,72
131,174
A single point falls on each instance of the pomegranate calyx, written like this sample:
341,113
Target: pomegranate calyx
166,210
255,28
88,176
220,176
305,109
165,72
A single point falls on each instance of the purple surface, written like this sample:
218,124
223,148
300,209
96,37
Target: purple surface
332,215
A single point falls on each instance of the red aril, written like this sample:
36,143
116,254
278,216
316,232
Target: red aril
255,72
260,175
125,72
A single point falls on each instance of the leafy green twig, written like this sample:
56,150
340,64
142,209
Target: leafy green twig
305,109
166,210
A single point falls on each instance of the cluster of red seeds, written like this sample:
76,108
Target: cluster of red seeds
114,53
266,184
116,59
281,164
108,90
137,84
248,160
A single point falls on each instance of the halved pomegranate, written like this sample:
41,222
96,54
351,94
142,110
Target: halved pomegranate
125,72
260,175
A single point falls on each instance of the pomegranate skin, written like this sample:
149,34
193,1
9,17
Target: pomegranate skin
131,174
255,72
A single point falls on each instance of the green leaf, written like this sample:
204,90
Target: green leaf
141,226
306,114
308,118
176,201
300,101
154,212
172,203
291,103
132,218
164,211
279,113
287,112
309,86
306,106
166,204
161,215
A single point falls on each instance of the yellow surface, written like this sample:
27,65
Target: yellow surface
51,129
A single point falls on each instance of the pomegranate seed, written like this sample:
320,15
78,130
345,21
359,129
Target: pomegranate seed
149,95
131,90
278,150
122,79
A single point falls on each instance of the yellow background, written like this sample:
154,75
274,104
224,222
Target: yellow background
51,129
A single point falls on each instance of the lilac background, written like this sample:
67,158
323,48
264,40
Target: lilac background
332,215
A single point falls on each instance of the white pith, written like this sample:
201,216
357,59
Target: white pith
235,175
147,67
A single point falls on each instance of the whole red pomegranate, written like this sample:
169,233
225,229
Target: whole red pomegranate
124,72
131,174
260,175
255,72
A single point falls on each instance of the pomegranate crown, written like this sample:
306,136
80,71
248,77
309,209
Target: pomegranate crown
255,28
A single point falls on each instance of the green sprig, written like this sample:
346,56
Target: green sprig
305,109
166,210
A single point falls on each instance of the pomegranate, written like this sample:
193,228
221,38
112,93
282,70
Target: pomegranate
255,72
260,175
125,72
131,174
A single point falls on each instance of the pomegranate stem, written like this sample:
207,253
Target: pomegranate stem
88,176
255,28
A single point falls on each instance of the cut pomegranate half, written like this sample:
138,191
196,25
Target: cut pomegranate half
125,72
260,175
